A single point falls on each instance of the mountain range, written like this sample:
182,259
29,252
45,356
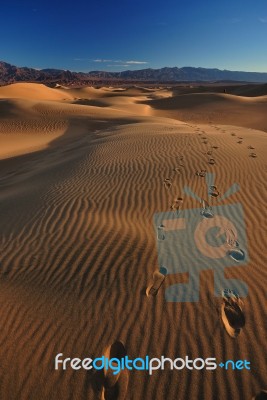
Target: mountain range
10,74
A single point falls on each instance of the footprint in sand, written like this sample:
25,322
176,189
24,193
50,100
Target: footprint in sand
233,134
157,281
213,191
211,161
253,155
240,142
235,252
177,204
161,232
180,160
114,387
232,314
251,147
179,201
167,183
201,173
215,147
206,210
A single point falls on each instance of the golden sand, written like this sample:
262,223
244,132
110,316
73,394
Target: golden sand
80,184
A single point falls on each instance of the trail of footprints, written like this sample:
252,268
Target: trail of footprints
239,141
231,301
232,315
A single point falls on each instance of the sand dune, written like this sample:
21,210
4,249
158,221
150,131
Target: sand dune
251,90
214,108
78,246
33,91
23,129
30,125
197,107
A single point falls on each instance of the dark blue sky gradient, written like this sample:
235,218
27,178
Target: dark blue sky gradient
135,34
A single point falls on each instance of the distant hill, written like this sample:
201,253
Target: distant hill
10,74
195,74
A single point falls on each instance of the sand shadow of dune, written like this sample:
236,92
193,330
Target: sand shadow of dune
94,103
8,109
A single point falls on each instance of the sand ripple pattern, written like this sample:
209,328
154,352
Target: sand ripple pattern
41,126
78,252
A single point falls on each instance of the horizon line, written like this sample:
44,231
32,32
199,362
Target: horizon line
133,70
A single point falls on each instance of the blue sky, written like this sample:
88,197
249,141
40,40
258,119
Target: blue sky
84,35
